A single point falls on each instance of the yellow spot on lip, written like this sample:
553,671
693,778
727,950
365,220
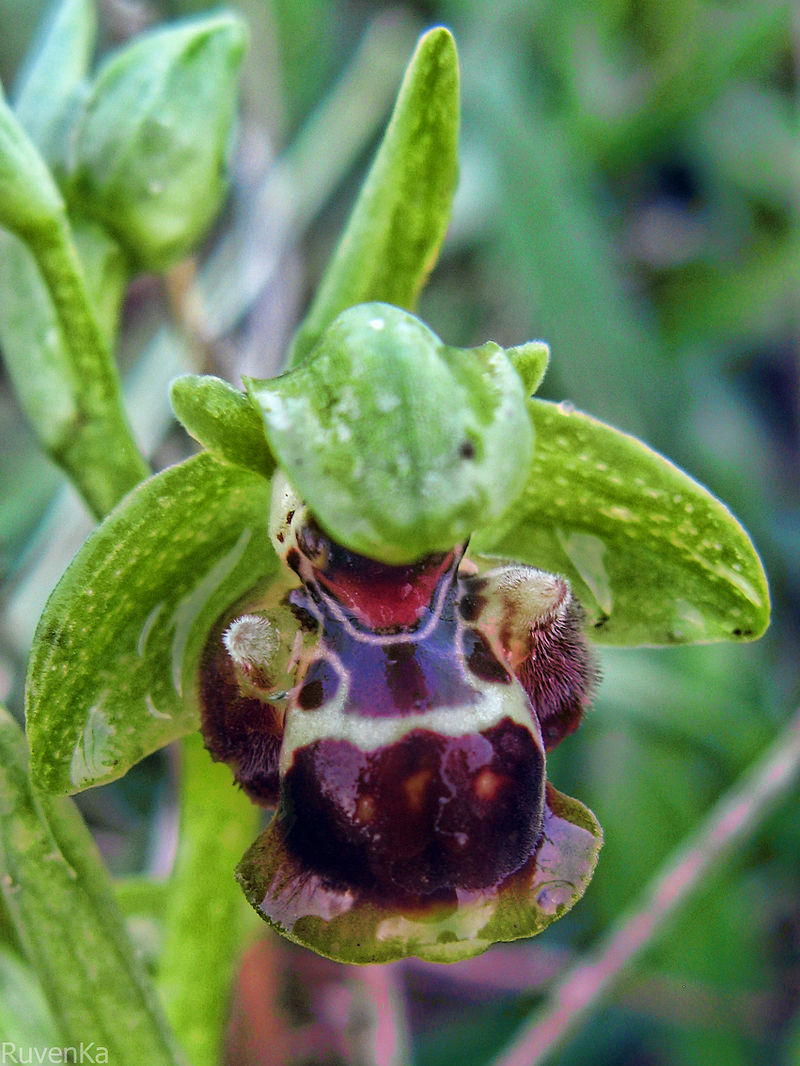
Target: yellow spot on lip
365,809
487,784
415,787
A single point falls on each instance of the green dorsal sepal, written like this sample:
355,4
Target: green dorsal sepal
400,445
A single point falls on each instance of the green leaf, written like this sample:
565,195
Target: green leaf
112,672
398,443
151,146
140,896
351,926
398,223
223,420
71,349
714,48
53,75
91,438
61,903
652,555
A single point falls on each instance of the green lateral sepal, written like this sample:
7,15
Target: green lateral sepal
112,675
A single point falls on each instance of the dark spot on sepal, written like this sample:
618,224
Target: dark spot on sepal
306,619
471,604
467,450
482,661
310,696
55,637
320,685
293,559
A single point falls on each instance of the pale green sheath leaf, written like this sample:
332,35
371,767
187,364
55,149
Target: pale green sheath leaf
29,197
36,356
107,273
397,442
223,420
58,317
53,76
142,897
151,146
58,895
39,360
111,674
396,228
25,1018
653,557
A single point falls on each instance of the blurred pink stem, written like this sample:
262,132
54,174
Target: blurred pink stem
585,985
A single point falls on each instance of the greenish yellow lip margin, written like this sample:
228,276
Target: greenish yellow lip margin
342,925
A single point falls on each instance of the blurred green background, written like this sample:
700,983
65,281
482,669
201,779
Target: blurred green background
630,192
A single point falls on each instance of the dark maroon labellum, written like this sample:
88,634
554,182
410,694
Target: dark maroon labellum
410,763
427,813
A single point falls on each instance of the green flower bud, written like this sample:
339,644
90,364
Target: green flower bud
400,445
152,145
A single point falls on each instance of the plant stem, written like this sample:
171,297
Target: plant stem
586,984
100,455
205,910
